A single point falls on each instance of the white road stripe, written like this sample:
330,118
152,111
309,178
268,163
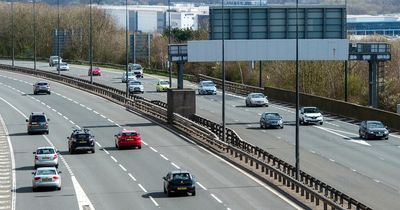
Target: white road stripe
88,108
163,157
98,144
106,151
216,198
122,167
59,113
13,193
176,166
115,160
109,120
103,116
144,143
65,117
153,149
132,177
198,183
95,112
142,188
81,196
152,199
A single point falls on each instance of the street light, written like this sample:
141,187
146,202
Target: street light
126,47
12,32
34,34
58,37
297,93
90,43
223,72
169,42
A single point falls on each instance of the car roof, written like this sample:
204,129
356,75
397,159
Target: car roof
255,93
80,131
373,121
42,82
46,147
129,131
308,107
271,113
206,81
179,172
37,113
46,168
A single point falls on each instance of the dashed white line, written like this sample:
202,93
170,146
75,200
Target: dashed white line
59,113
144,143
122,167
165,158
153,149
82,105
88,108
78,126
76,102
95,112
54,110
142,188
354,170
176,166
377,181
132,177
115,160
152,199
216,198
48,106
103,116
109,120
65,117
106,151
71,122
43,103
332,160
198,183
98,144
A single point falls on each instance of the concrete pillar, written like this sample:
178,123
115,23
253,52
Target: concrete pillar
181,101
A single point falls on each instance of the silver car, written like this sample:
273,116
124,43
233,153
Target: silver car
46,156
131,76
207,87
135,87
63,67
47,177
41,87
271,120
256,99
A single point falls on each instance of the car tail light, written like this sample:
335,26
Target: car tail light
36,157
55,156
37,178
29,125
47,125
55,177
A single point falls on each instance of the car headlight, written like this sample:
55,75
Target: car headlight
386,132
280,121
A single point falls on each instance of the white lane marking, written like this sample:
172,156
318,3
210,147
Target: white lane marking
176,166
48,106
132,177
43,103
82,105
106,151
59,113
71,122
95,112
115,160
88,108
152,199
65,117
377,181
122,167
153,149
54,110
81,196
354,170
332,160
362,142
198,183
98,144
103,116
216,198
76,102
165,158
118,125
21,113
142,188
144,143
78,126
13,194
109,120
312,151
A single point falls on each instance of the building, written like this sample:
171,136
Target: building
386,25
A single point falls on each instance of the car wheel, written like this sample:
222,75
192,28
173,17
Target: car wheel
301,122
49,93
35,167
47,132
93,151
321,123
116,146
169,193
139,147
56,166
194,193
58,188
165,191
281,126
261,125
34,189
29,133
387,138
247,104
34,93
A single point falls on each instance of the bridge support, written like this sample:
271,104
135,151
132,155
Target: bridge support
181,101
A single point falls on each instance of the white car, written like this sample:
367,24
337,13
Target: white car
135,86
46,156
207,87
310,114
47,177
256,99
63,67
53,60
137,69
131,76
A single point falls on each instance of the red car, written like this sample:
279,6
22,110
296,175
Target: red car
95,72
128,138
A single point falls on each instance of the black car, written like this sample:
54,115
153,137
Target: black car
271,120
179,182
81,140
370,129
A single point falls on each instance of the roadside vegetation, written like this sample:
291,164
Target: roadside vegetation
318,78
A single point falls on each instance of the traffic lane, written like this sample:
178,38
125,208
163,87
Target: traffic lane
103,193
24,145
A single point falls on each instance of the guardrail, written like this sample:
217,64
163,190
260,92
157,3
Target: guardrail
208,133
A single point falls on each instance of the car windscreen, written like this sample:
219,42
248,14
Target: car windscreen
46,172
129,74
311,110
135,83
82,136
137,67
45,151
63,64
164,82
273,116
38,118
41,84
208,84
258,95
375,125
181,176
129,134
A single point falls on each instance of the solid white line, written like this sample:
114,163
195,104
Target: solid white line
98,144
106,151
13,194
132,177
153,149
21,113
216,198
152,199
115,160
81,196
122,167
165,158
142,188
198,183
176,166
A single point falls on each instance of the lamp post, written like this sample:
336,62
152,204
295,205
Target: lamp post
223,72
297,93
12,33
126,47
169,42
90,42
58,37
34,34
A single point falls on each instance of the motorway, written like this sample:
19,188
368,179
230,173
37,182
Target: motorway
365,170
117,179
